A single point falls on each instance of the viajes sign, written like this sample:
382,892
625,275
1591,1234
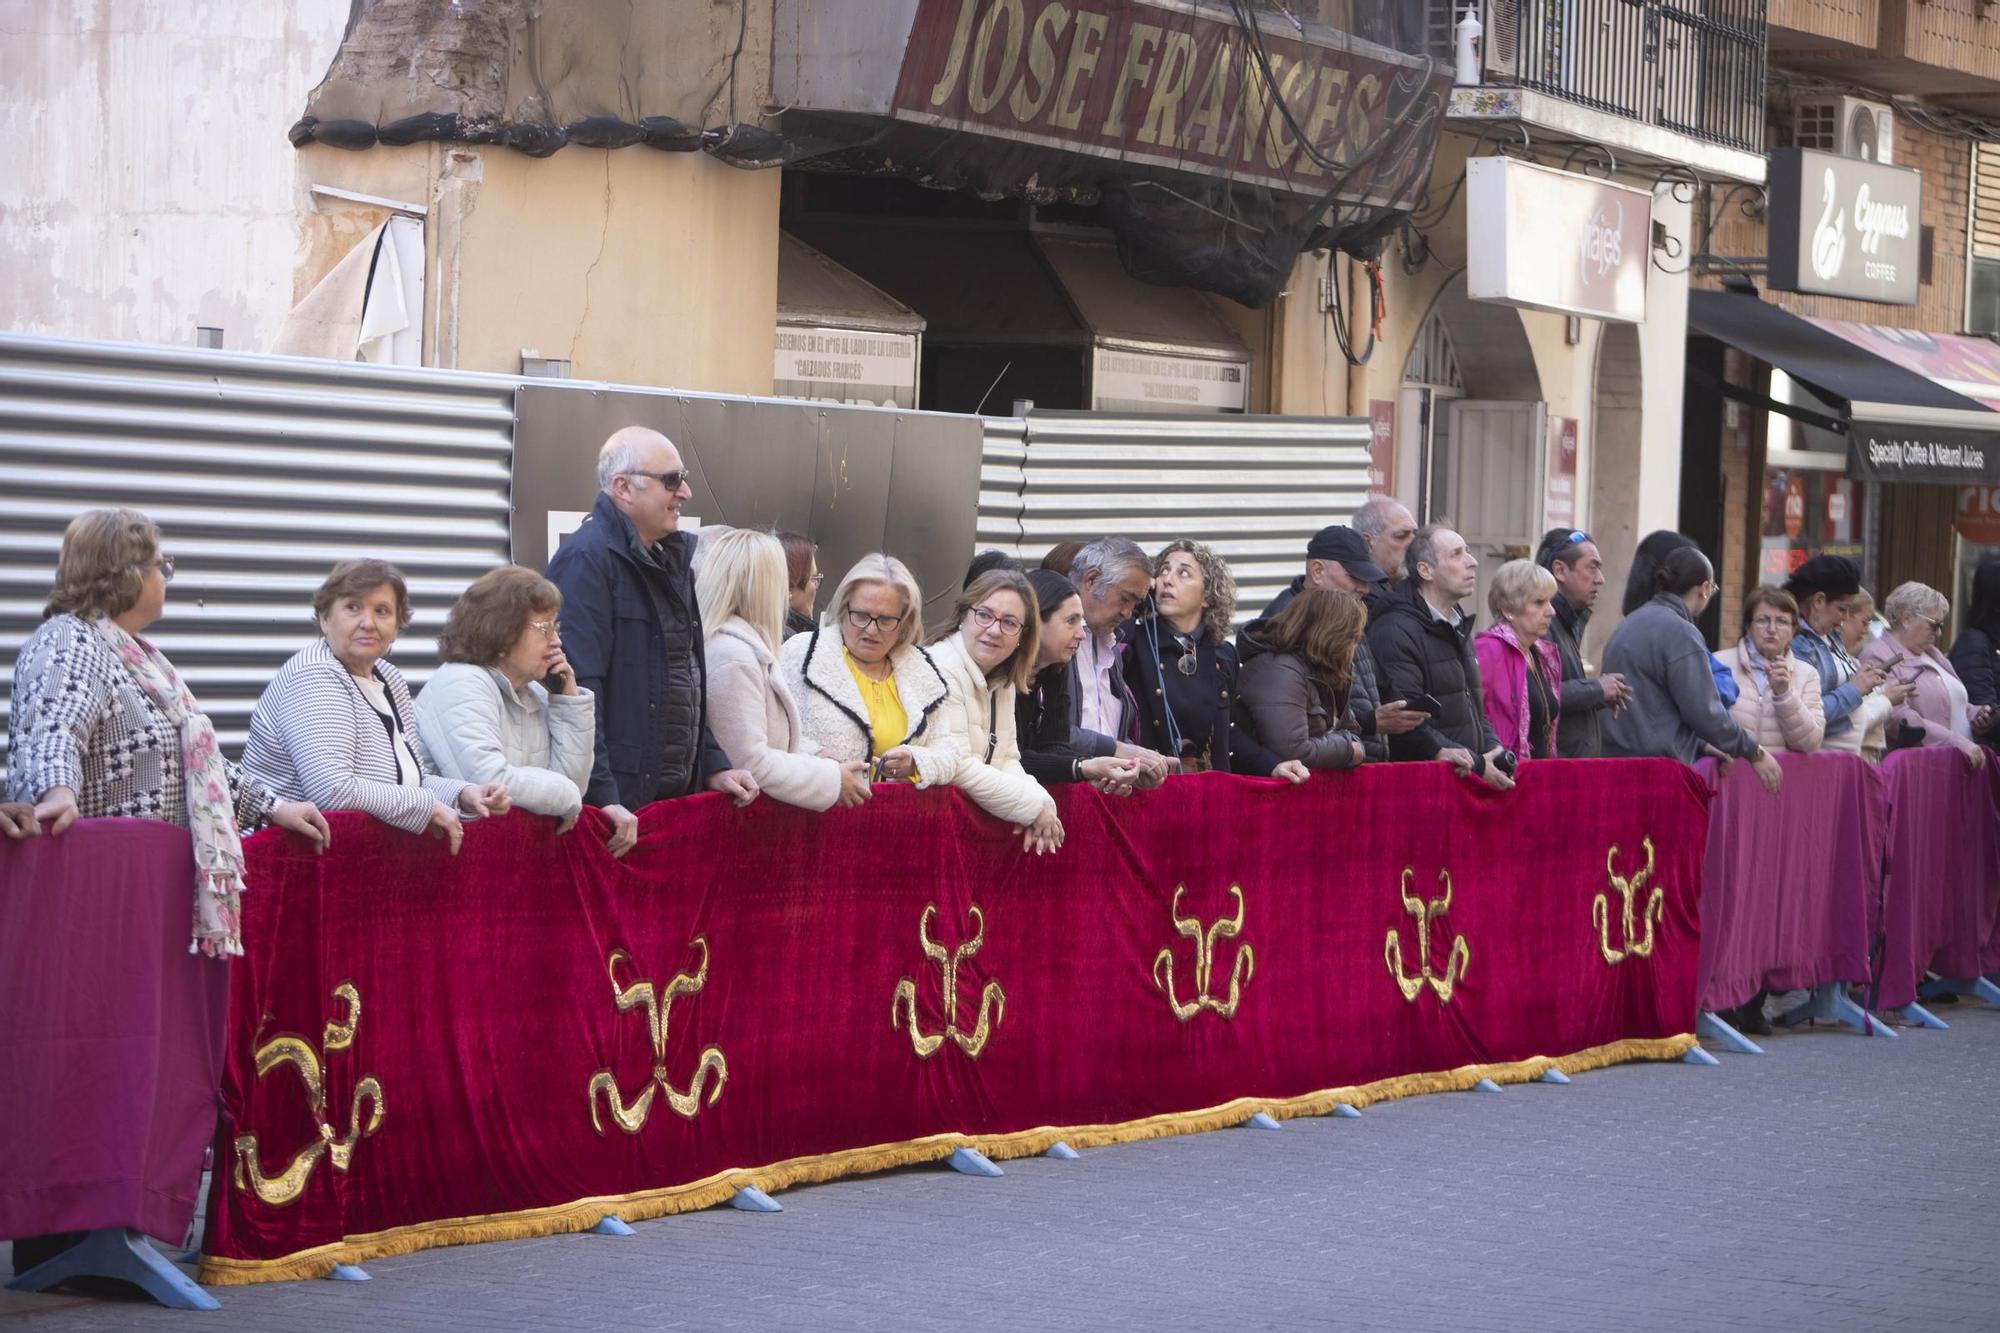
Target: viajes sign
1843,226
1555,240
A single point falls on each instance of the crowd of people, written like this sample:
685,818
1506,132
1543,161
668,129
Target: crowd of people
645,664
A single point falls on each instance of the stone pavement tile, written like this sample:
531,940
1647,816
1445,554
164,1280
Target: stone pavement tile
1837,1182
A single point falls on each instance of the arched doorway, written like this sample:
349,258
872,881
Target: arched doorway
1472,414
1613,517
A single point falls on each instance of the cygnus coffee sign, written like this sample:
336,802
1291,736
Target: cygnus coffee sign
1841,226
1556,240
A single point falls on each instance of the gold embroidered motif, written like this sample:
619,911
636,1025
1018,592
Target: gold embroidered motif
659,1009
1629,891
298,1053
1456,960
1241,968
992,1000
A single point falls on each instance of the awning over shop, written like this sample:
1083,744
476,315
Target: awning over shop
813,290
1902,424
841,339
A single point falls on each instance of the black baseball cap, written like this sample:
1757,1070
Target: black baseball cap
1834,575
1345,545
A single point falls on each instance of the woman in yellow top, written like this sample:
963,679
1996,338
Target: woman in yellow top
865,690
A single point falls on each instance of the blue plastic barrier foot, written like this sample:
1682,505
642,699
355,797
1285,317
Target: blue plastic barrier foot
1486,1085
189,1256
1556,1076
610,1225
1918,1016
1262,1120
1061,1151
972,1162
1343,1111
348,1273
1713,1025
121,1253
1697,1056
1982,987
750,1199
1832,1002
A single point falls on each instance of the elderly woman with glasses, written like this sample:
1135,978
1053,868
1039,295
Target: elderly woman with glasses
505,707
1938,705
988,657
1182,669
1777,695
865,690
336,726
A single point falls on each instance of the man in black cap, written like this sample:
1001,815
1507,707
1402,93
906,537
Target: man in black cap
1825,587
1337,557
1571,556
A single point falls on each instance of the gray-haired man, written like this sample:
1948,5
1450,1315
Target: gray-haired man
1112,576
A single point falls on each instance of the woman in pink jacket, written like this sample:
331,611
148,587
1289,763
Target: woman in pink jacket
1520,670
1937,704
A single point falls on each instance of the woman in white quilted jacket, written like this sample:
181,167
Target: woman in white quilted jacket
988,657
1777,695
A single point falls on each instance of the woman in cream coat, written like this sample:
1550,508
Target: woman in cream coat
863,687
1777,695
988,656
742,593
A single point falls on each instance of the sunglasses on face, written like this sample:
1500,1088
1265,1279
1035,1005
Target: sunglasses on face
165,564
671,480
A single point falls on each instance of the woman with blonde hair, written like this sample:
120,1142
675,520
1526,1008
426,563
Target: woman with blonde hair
1182,669
505,706
1520,667
865,690
743,589
988,657
1937,705
1297,689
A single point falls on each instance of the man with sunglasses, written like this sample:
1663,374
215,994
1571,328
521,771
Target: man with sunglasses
1573,558
633,633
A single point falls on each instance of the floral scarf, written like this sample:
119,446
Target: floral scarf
211,815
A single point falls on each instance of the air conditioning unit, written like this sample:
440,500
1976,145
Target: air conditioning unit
1850,126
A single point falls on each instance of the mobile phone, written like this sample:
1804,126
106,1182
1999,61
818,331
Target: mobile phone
1507,762
553,682
1423,703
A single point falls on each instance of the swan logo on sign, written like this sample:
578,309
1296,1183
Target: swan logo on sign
1842,226
1829,244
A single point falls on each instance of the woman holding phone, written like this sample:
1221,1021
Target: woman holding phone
505,706
1777,696
1937,704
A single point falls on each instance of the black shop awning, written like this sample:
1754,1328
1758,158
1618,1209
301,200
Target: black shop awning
1901,425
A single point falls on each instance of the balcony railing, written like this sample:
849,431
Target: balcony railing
1694,66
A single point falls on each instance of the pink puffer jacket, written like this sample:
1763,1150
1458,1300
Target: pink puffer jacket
1503,679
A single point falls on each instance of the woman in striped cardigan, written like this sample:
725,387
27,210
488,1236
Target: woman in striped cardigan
336,726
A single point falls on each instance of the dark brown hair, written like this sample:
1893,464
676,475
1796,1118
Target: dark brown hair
1775,598
491,614
1322,625
798,558
102,569
352,578
1061,556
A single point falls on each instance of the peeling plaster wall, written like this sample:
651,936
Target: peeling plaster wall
149,186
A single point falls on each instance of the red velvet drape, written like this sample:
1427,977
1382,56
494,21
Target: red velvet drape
477,1026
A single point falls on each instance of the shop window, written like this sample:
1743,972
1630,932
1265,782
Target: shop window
1808,512
1983,314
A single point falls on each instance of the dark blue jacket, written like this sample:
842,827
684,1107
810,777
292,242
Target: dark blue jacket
623,605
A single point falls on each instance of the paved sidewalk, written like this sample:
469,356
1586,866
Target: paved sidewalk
1839,1182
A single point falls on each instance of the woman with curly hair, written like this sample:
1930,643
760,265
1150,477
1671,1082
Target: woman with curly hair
1182,669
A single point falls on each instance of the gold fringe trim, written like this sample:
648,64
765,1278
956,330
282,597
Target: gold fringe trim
583,1214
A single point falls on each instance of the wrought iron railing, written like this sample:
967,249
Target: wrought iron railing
1696,66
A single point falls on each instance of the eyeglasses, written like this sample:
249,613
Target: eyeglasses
1188,658
882,624
548,629
671,480
815,580
1937,626
1772,622
985,619
165,564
